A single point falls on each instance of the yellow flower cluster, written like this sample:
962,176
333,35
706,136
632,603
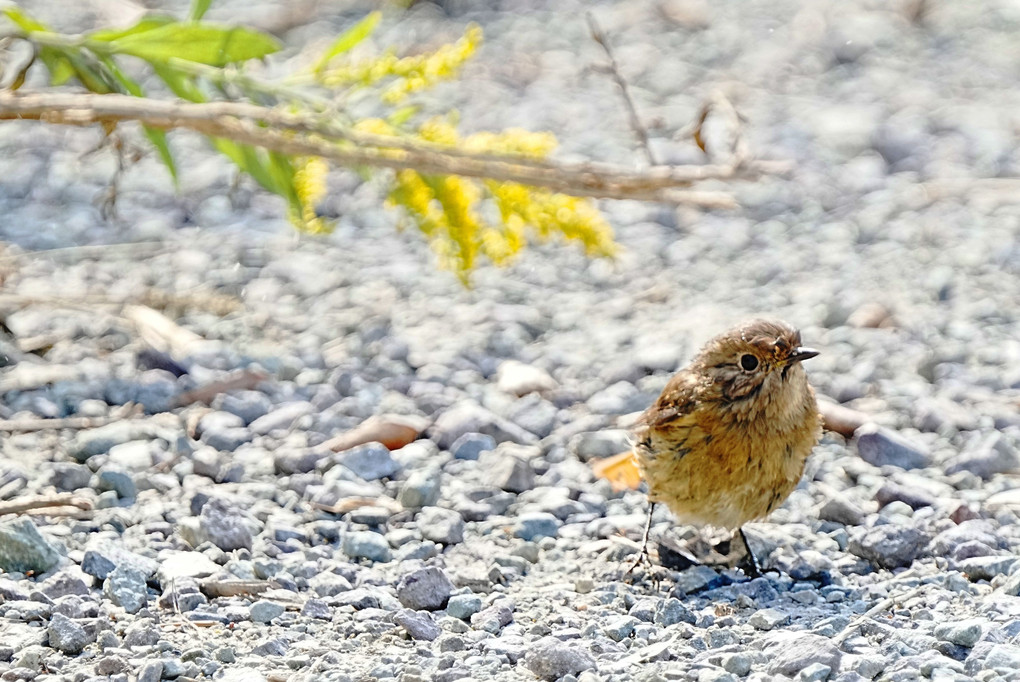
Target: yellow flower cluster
448,209
309,189
409,74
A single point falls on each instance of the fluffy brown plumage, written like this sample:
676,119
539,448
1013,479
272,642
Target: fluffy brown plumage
727,440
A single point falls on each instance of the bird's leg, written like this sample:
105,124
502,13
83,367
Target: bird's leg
642,557
755,570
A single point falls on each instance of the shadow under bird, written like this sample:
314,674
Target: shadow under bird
727,440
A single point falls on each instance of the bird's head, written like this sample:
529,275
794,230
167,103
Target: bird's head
758,358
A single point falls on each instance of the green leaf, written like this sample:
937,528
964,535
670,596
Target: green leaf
60,67
127,84
247,159
198,9
348,39
204,43
24,22
402,115
146,24
181,84
156,136
282,172
158,139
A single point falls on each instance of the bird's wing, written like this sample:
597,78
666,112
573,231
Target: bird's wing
677,400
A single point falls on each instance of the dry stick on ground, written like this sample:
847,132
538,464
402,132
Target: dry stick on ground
40,424
614,70
241,381
225,119
19,506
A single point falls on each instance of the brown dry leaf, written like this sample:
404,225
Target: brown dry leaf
392,430
620,470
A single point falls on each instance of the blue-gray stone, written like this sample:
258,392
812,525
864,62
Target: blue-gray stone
365,544
535,525
125,587
880,446
370,461
66,635
264,610
463,606
118,481
472,445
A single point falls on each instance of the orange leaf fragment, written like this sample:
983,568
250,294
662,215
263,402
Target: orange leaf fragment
620,470
392,430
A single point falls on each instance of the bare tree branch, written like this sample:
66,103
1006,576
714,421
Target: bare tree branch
247,124
614,70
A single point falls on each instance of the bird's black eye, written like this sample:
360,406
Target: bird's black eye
748,362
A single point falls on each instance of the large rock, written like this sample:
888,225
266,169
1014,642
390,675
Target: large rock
23,549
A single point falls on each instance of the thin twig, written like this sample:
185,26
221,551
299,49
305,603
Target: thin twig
875,610
243,380
614,70
40,424
594,180
22,505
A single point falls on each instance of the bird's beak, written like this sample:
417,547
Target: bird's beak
801,353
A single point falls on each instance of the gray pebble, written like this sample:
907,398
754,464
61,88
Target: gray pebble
598,444
66,635
471,445
536,525
507,471
798,651
263,610
370,461
841,510
316,608
419,624
493,618
118,481
226,439
125,586
464,606
672,611
888,546
444,526
470,417
880,446
995,454
272,646
69,476
282,417
550,659
620,627
427,589
248,405
151,671
421,489
767,619
365,544
964,633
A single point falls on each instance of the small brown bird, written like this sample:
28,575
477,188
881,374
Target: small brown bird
727,440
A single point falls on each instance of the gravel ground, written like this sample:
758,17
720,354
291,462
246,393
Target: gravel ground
228,541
